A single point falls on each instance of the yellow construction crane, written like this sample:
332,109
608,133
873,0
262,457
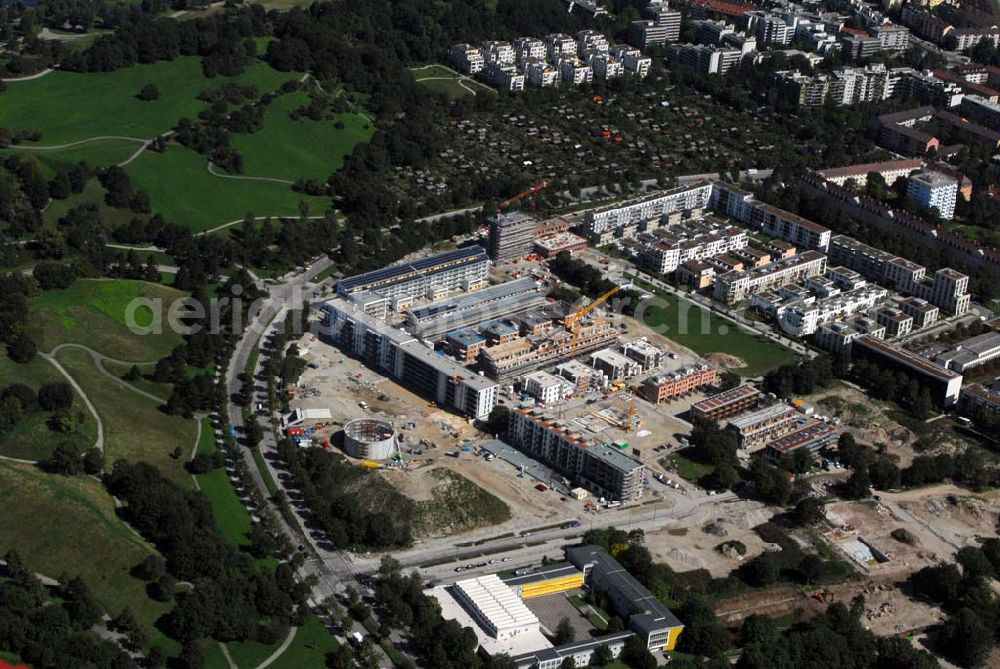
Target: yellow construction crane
575,317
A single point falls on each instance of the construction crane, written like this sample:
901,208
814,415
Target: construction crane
571,321
574,318
535,188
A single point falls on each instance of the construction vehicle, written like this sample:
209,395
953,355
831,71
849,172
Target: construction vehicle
370,464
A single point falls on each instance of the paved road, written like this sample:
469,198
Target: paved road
333,570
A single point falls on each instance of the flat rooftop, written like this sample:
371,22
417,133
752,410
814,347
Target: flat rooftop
409,270
726,397
907,358
519,644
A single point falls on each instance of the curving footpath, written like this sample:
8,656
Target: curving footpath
37,75
276,180
99,442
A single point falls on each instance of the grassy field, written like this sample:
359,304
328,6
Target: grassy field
689,468
310,647
305,148
94,313
134,427
98,153
459,505
152,387
93,193
440,78
31,439
703,332
230,514
182,190
68,525
68,107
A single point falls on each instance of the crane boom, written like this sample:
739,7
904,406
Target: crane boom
574,318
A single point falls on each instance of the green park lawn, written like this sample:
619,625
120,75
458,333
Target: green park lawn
99,152
67,525
230,514
69,107
309,649
92,193
152,387
134,427
288,149
94,313
182,190
31,438
703,332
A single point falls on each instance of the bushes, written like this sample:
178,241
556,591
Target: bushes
55,395
53,275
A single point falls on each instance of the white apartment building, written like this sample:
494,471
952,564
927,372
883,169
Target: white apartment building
573,71
547,388
737,286
892,37
504,77
674,250
933,189
770,28
592,40
529,47
634,63
558,45
497,52
704,59
540,74
466,58
606,66
690,198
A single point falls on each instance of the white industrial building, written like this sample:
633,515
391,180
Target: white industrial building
495,606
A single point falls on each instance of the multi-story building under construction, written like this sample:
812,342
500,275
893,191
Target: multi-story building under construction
526,354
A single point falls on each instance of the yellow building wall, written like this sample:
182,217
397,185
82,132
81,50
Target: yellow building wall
552,586
675,633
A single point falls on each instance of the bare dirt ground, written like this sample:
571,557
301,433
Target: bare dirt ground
694,547
867,420
874,523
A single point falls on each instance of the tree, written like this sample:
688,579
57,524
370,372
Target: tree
967,638
496,423
22,348
53,275
149,92
55,395
133,374
65,459
568,663
79,603
974,563
564,633
602,657
93,461
858,486
765,569
729,380
809,511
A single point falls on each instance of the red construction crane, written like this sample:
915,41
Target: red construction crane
535,187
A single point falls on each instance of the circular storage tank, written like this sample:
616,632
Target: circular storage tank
370,439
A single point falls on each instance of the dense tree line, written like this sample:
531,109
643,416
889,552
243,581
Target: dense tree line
800,378
354,506
835,639
44,633
972,626
591,282
14,292
223,40
791,563
232,598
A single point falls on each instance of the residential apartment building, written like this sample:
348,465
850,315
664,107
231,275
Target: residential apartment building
932,189
409,361
811,435
837,337
466,58
432,277
529,48
686,199
574,71
664,253
704,59
888,170
770,29
634,63
512,236
540,73
664,387
979,109
896,321
742,206
497,52
547,388
504,77
558,45
892,37
753,430
606,66
592,40
923,313
727,403
599,467
666,28
737,286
